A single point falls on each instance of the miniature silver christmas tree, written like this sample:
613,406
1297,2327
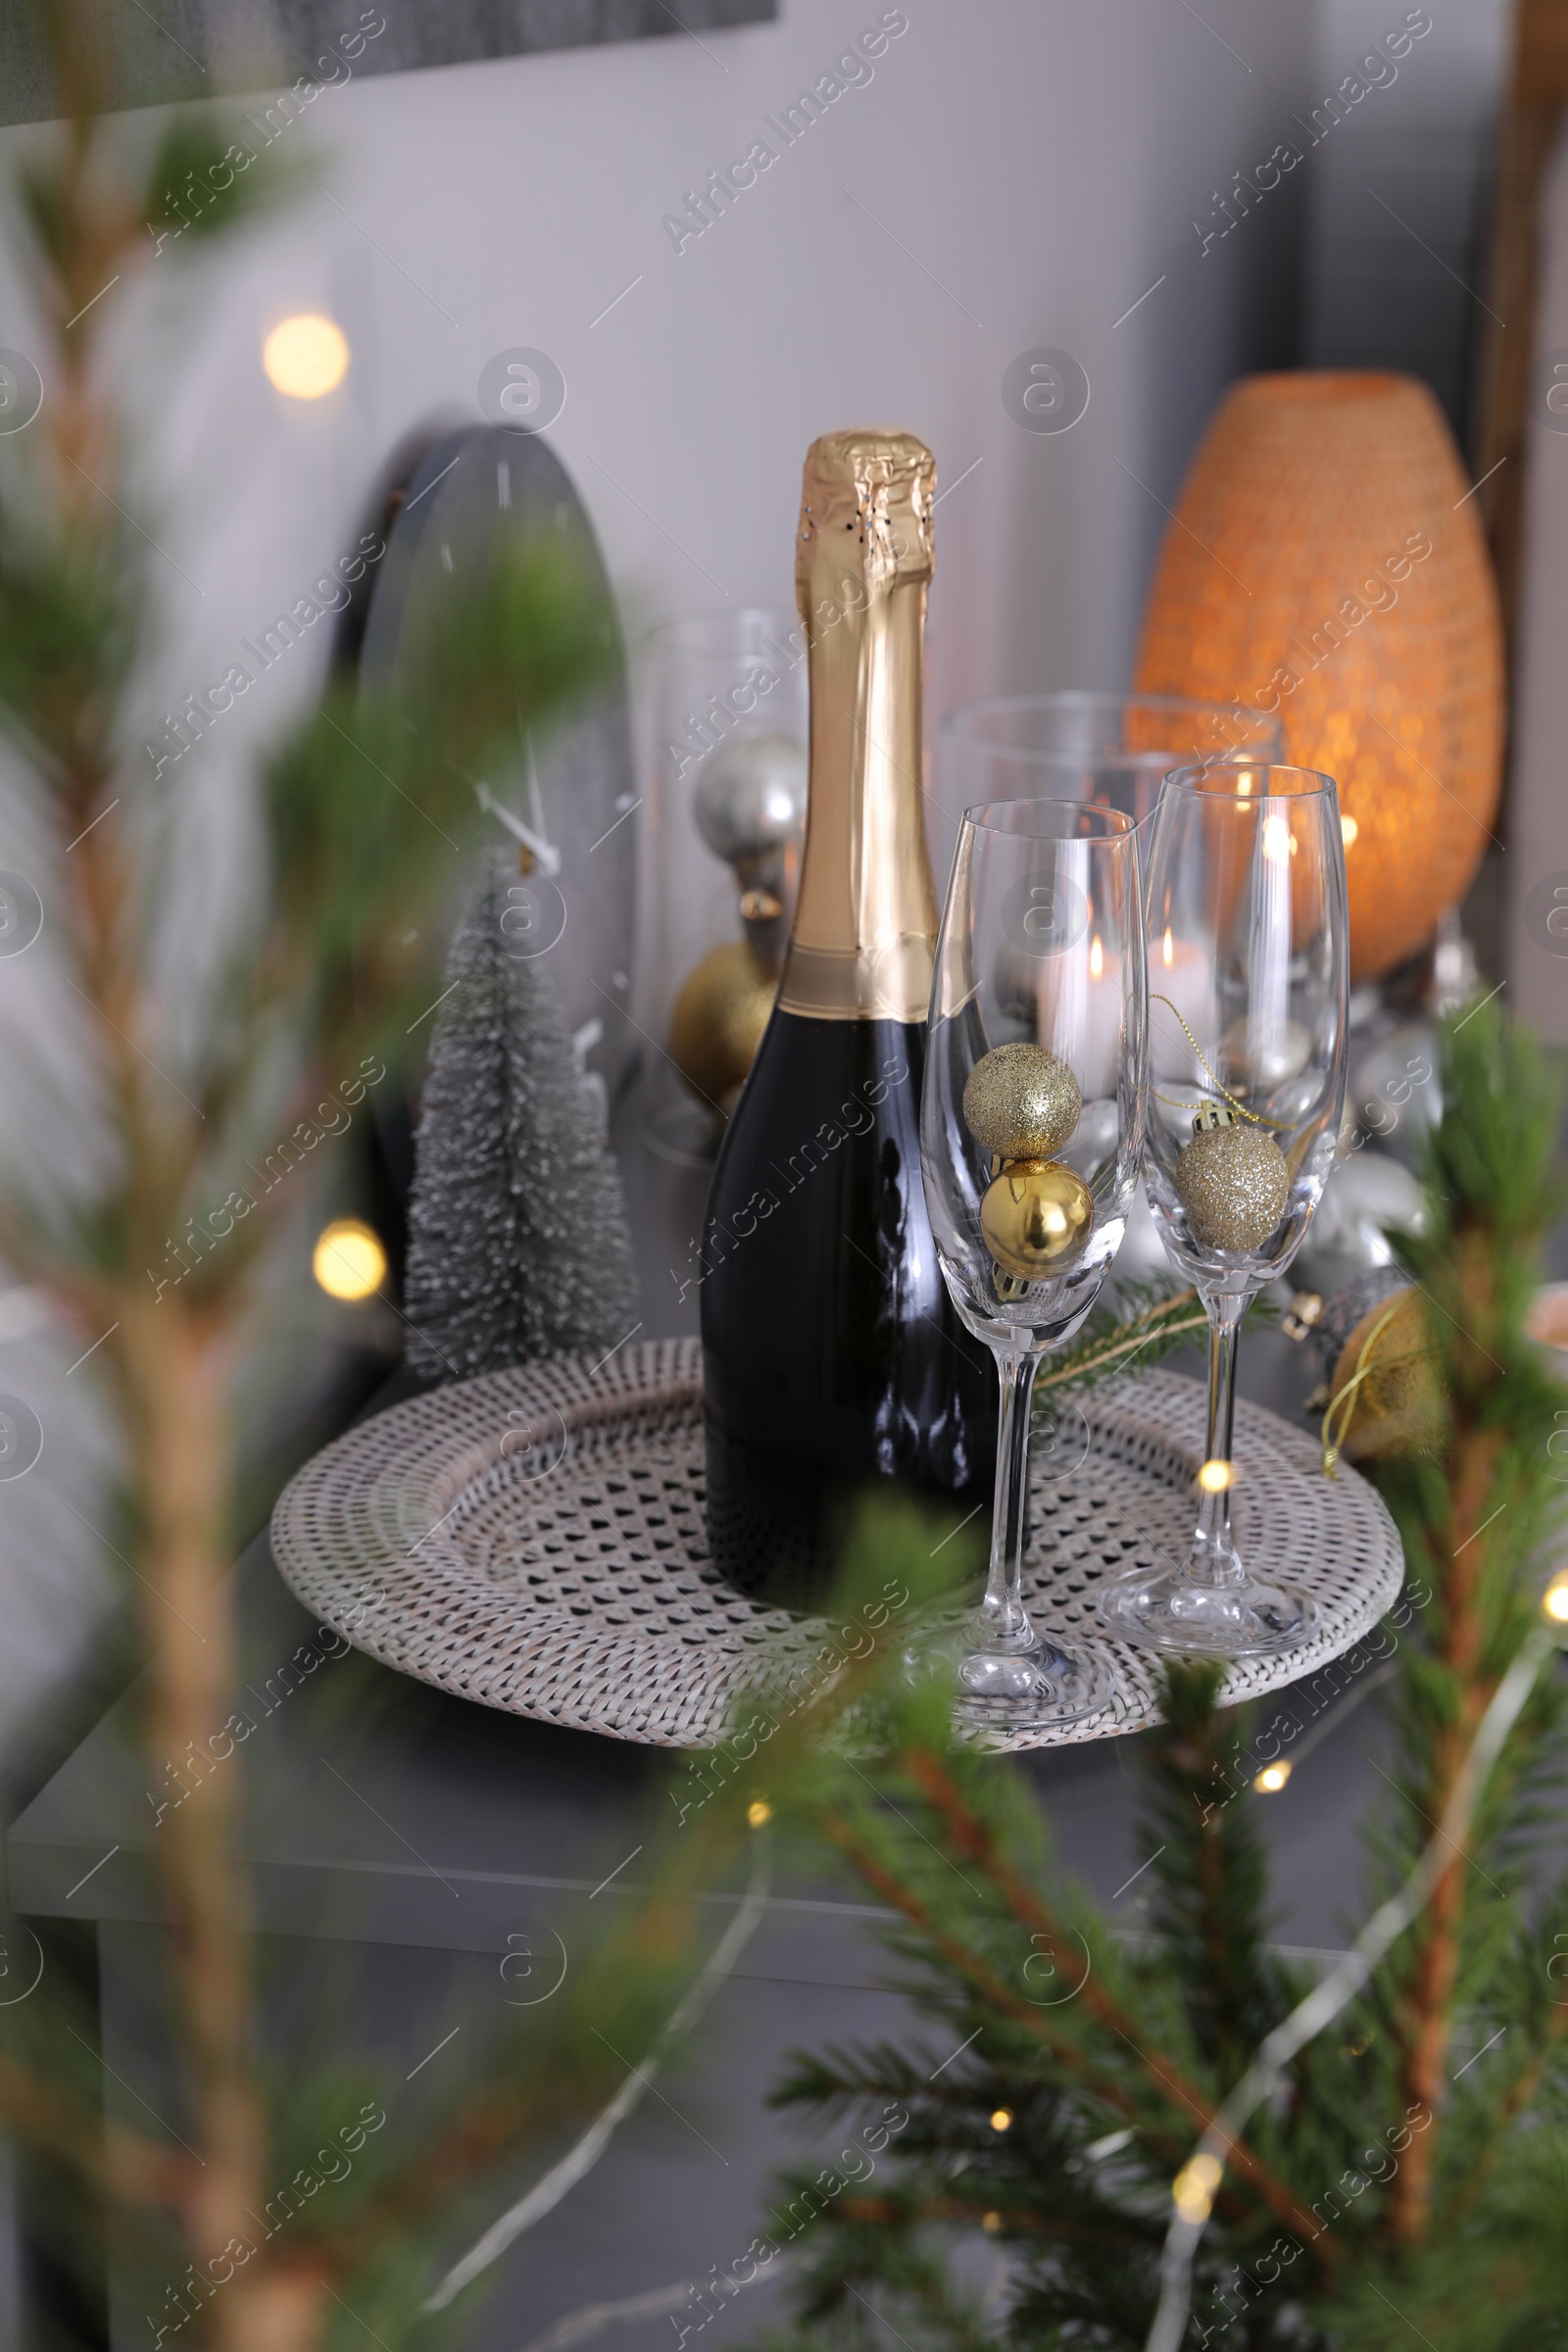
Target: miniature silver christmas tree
518,1245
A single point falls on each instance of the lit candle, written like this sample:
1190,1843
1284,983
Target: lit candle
1181,988
1079,994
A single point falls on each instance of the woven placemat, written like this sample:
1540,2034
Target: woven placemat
534,1541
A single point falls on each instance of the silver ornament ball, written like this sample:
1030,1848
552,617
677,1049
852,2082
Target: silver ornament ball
751,796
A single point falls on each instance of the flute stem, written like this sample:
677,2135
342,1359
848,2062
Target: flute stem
1002,1614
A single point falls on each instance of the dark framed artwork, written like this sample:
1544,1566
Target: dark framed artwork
195,48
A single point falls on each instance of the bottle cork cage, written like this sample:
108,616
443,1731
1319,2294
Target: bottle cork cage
534,1541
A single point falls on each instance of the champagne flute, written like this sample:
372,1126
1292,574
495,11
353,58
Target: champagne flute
1249,964
1113,749
1031,1127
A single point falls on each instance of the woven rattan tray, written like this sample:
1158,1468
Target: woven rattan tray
534,1541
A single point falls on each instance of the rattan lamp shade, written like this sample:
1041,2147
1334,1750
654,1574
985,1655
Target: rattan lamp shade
1293,579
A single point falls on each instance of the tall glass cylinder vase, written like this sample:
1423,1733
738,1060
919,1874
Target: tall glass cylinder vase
724,793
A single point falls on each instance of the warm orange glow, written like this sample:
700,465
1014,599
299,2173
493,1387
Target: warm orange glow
1349,829
1216,1476
1096,959
1272,1778
758,1812
1367,624
1167,949
1277,841
1002,2119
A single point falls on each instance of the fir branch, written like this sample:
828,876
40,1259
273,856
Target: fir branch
971,1838
112,2157
1471,1521
1109,1340
1211,1872
1016,2220
1112,1340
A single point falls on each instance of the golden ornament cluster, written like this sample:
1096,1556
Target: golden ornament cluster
1021,1104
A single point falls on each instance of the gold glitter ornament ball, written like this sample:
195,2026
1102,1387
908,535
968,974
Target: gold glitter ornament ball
723,1007
1234,1185
1022,1101
1035,1216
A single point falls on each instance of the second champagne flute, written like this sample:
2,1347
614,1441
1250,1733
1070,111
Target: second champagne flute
1031,1126
1248,962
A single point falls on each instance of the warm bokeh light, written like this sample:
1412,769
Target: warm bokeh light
758,1812
1555,1600
1349,829
1096,959
1272,1778
306,356
349,1262
1193,2190
991,2222
1216,1476
1002,2120
1167,949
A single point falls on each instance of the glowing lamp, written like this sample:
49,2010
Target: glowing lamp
1326,567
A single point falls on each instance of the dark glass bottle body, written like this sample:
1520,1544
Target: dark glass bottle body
832,1356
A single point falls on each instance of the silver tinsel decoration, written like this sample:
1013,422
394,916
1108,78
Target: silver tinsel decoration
518,1245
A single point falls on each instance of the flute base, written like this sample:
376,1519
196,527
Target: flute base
1024,1687
1175,1614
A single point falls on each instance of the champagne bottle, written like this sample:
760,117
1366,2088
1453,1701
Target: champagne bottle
831,1354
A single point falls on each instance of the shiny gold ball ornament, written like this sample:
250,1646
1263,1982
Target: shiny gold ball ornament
717,1024
1022,1101
1232,1179
1034,1217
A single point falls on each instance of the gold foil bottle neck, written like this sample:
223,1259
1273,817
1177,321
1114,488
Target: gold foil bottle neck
865,511
866,921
